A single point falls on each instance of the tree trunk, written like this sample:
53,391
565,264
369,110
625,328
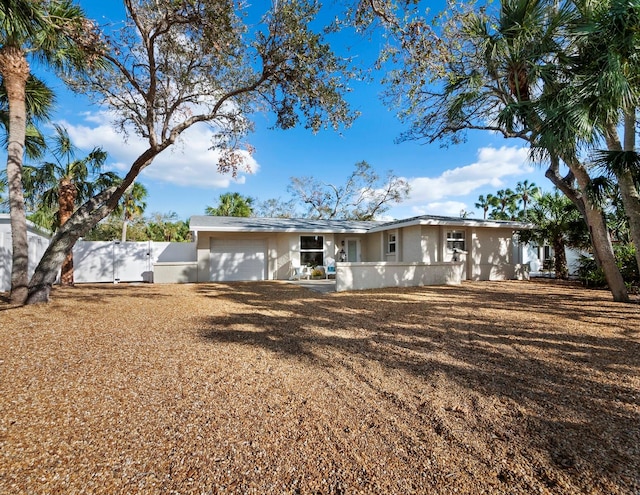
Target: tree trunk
593,216
125,223
626,183
15,71
600,240
66,203
562,272
81,222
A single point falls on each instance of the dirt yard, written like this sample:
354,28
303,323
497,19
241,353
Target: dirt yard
269,388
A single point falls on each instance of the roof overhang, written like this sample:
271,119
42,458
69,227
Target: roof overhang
455,223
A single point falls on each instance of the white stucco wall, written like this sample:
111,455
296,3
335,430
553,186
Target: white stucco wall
490,253
411,244
361,276
374,246
175,272
429,243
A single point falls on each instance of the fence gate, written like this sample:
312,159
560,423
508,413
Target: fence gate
101,261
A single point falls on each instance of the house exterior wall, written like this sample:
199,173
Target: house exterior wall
410,249
376,275
175,272
490,253
282,251
203,250
489,250
374,246
429,244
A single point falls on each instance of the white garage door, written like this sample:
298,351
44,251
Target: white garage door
237,259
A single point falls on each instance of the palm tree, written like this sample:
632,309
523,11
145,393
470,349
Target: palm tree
131,205
67,182
556,221
51,31
608,71
527,60
39,100
485,203
505,203
525,191
232,205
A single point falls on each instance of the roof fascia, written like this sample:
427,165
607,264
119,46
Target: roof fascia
463,223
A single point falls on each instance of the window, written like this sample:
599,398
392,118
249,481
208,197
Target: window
391,244
311,250
455,240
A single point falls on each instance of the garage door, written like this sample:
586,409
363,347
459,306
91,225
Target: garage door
237,259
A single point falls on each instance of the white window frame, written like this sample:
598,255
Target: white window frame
452,240
392,243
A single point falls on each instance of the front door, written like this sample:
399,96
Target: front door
353,250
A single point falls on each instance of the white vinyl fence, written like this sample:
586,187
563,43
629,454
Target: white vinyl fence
102,261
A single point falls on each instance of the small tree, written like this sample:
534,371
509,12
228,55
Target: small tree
167,228
558,222
131,206
525,192
485,203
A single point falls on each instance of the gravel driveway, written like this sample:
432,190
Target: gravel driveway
500,387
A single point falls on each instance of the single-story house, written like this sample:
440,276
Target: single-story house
422,250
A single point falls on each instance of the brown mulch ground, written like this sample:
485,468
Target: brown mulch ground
510,387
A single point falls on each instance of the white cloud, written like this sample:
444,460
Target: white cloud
189,162
490,168
445,208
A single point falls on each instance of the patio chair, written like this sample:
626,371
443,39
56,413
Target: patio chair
330,268
300,272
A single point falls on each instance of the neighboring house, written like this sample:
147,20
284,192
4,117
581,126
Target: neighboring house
38,240
422,250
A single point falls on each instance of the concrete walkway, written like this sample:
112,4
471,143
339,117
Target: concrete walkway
322,286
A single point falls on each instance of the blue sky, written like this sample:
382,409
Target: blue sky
184,179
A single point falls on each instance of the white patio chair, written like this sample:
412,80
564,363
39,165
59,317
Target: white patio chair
329,268
300,272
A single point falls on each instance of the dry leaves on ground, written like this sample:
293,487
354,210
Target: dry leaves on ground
510,387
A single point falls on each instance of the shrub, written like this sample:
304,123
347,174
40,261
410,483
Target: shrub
592,276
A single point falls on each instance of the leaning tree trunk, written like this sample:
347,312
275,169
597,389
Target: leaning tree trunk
81,222
66,202
600,239
15,71
594,218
